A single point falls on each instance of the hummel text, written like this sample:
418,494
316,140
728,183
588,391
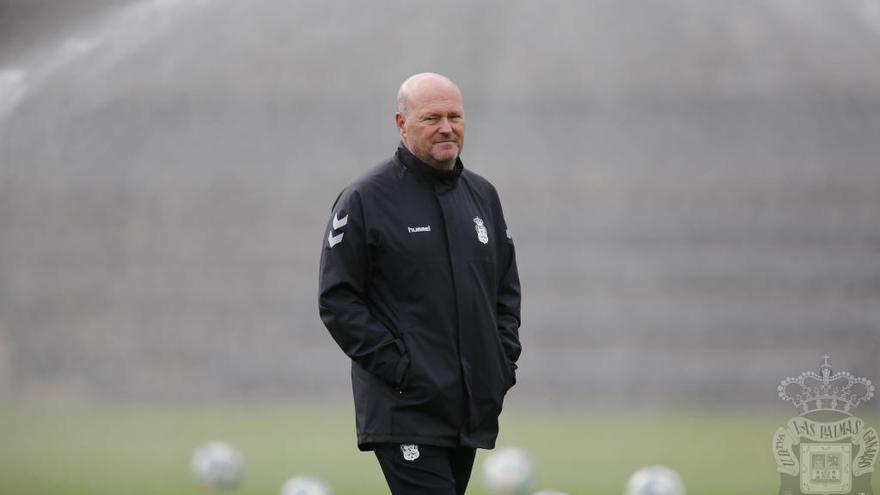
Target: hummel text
426,228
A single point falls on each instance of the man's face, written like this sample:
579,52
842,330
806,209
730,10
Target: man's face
433,128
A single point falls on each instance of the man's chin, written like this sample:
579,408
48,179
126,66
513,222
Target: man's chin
446,158
446,153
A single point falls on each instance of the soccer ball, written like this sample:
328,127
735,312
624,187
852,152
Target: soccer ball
218,466
655,480
305,485
509,471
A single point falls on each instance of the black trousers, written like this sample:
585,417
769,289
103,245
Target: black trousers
425,470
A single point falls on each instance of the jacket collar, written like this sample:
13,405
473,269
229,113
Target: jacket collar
426,171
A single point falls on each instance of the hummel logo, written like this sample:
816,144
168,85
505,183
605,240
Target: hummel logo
412,230
339,222
334,239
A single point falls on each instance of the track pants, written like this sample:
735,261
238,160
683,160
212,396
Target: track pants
425,470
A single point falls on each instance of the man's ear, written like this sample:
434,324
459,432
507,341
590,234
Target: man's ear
401,124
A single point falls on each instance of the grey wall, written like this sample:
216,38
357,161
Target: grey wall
692,186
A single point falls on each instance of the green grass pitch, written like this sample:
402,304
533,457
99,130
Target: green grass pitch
132,450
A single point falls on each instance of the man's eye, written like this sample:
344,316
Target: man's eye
430,119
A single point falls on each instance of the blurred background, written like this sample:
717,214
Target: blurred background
693,188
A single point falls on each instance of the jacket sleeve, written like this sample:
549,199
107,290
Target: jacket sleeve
343,285
507,308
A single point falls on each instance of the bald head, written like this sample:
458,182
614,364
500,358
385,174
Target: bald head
417,85
430,119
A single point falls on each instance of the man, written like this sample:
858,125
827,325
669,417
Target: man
419,287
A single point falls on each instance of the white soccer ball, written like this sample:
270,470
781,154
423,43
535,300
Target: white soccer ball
655,480
509,471
218,466
305,485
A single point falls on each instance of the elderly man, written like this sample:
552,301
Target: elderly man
419,287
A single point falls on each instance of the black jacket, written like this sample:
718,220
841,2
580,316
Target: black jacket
419,287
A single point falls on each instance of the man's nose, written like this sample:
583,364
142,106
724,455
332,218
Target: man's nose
445,126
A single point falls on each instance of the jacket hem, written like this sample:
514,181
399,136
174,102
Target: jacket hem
366,444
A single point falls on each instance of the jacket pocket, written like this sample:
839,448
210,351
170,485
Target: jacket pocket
434,373
430,402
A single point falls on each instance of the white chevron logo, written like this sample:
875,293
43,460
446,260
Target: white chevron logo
339,222
334,239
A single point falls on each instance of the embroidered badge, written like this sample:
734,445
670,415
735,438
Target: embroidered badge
410,451
482,233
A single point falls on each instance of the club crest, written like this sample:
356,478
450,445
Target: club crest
482,233
825,450
410,451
